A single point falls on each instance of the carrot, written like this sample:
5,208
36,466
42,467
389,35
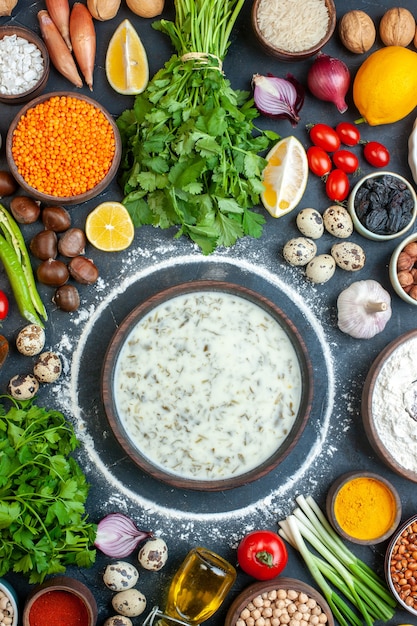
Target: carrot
58,50
83,38
59,11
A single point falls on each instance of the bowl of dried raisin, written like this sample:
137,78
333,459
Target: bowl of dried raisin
383,206
403,269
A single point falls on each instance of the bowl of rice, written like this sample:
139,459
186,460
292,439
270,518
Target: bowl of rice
293,30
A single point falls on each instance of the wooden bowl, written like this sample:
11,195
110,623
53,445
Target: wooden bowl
399,539
7,590
279,583
154,426
50,199
57,588
331,501
390,383
286,55
35,90
393,270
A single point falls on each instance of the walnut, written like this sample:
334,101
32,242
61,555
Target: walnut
397,27
357,31
103,10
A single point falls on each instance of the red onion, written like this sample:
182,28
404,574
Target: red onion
280,98
329,79
117,535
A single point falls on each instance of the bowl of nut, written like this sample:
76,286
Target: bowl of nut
400,563
403,269
284,595
383,206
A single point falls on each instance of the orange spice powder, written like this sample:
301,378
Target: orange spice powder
63,146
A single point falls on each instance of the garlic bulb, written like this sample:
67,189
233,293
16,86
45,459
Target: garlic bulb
103,9
363,309
7,6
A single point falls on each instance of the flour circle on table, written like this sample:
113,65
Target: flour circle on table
82,414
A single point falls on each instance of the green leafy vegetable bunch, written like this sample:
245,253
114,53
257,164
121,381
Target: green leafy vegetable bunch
191,152
43,524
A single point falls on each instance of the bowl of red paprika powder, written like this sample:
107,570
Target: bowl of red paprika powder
61,600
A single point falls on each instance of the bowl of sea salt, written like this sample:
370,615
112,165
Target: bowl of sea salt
24,64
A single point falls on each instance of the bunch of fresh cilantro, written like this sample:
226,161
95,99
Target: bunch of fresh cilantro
191,153
43,524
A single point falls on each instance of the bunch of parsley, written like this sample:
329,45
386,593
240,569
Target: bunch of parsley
191,156
43,525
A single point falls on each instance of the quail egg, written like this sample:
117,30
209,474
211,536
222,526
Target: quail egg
310,223
30,340
337,221
48,367
321,268
120,575
348,256
299,251
118,620
153,554
129,603
23,386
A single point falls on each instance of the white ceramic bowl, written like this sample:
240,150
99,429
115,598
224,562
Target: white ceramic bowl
408,601
360,228
7,590
394,270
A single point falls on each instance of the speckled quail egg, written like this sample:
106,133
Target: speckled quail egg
30,340
129,603
120,575
23,386
118,620
337,221
310,223
48,367
321,268
153,554
299,251
348,256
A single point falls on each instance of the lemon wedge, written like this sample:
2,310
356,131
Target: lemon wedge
127,68
284,177
109,227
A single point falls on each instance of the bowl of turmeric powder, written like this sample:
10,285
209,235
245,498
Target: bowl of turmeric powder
363,507
63,148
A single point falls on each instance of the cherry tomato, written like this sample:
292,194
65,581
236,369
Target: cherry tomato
376,154
262,554
337,185
325,137
346,161
348,133
4,305
319,161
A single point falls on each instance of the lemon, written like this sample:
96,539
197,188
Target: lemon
127,68
109,227
385,85
284,177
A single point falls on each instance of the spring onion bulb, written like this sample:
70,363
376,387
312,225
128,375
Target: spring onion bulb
328,79
117,535
279,98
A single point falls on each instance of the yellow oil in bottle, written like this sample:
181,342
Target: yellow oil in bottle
199,586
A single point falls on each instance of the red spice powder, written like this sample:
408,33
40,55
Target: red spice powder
58,608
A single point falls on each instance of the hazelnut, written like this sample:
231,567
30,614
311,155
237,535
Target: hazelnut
397,27
405,279
411,249
357,31
405,262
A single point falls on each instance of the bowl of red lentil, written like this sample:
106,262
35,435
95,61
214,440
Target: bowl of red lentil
281,601
401,565
60,600
24,64
63,148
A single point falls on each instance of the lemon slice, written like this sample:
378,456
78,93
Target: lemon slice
284,177
109,227
127,68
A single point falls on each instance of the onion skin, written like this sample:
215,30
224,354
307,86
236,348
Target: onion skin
59,52
329,79
59,12
117,535
83,39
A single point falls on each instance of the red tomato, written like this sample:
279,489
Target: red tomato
337,185
325,137
4,305
376,154
346,161
262,554
348,133
319,161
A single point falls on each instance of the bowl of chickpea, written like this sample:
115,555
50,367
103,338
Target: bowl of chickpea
401,565
403,269
277,600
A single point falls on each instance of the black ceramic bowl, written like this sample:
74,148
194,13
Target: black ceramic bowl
193,417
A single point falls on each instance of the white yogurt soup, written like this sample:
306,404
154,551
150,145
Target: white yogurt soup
207,385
